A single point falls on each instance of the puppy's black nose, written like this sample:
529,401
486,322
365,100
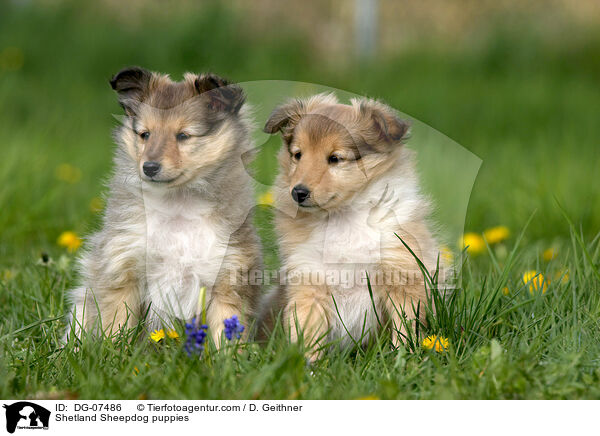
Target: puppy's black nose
151,168
300,193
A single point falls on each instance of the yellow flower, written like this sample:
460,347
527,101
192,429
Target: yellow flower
446,254
496,234
157,335
96,204
535,281
266,198
136,370
505,290
437,343
69,240
67,173
473,242
549,254
369,397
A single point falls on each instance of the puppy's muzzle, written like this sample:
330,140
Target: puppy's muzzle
300,193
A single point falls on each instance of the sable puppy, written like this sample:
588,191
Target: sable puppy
177,215
346,184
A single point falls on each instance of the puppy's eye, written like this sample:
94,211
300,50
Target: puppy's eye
297,155
144,135
333,159
182,136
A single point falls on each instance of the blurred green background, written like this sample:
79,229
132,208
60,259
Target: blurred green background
516,83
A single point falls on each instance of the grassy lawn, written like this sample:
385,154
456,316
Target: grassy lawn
527,108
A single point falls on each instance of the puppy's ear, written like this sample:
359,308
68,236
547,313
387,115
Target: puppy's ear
284,118
131,85
221,95
384,123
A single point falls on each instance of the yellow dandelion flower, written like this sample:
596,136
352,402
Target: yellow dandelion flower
535,281
446,254
549,254
369,397
473,242
96,204
266,198
67,173
496,234
69,240
437,343
505,290
172,334
157,335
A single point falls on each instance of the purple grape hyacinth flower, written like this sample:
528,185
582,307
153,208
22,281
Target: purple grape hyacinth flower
233,327
196,335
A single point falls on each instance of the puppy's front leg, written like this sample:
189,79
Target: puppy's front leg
225,302
400,303
108,309
120,308
307,314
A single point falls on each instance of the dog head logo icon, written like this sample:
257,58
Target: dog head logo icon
26,415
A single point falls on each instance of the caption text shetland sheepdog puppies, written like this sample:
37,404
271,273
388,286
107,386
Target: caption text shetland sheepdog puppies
177,216
346,185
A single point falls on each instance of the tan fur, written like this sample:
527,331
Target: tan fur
375,174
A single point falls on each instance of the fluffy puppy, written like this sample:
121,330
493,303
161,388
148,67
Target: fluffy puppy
177,216
346,186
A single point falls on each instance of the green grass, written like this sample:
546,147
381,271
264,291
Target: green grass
520,345
528,109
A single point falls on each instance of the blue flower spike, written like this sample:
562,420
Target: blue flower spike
196,336
233,328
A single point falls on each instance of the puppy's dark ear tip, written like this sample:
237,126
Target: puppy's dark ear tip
269,128
209,81
223,94
198,84
131,85
285,116
129,76
217,81
113,82
402,133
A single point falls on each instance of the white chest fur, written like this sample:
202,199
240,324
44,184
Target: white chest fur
185,250
338,253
